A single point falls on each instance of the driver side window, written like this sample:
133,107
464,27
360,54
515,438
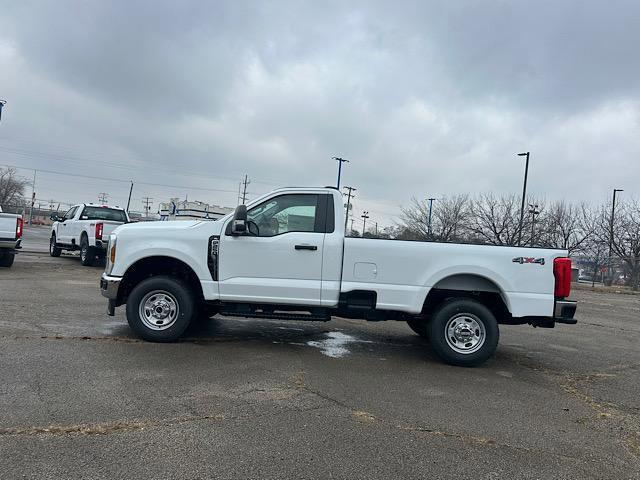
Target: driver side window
286,213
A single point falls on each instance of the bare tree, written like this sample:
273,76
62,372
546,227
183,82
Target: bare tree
448,219
626,240
495,220
567,226
11,187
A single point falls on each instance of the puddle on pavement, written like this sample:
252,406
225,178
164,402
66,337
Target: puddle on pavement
335,345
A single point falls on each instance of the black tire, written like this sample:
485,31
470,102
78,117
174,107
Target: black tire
474,332
87,253
167,287
54,249
6,259
420,325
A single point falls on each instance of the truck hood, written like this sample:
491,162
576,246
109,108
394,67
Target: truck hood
159,228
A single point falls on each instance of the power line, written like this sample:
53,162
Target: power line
123,181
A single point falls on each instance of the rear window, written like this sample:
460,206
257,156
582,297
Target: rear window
102,213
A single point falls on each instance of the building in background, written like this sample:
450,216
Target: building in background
177,209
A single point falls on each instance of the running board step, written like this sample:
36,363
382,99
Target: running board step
275,315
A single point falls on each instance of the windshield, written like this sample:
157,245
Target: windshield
103,213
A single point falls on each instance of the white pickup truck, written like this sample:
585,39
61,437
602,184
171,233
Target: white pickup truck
285,256
85,227
10,237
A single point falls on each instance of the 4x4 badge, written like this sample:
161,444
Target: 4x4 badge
522,260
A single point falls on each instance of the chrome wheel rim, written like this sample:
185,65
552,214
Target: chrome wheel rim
158,310
83,252
465,333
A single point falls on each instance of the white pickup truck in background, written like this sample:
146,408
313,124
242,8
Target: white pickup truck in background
285,256
11,226
85,227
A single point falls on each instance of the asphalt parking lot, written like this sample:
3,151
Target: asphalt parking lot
81,398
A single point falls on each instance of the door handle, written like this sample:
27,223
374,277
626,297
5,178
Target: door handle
306,247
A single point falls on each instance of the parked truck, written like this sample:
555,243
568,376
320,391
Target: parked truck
85,227
11,226
285,256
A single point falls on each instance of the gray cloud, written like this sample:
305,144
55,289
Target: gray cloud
425,98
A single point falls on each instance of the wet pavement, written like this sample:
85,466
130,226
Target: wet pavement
80,397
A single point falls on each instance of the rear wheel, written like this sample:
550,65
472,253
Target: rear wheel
464,332
54,250
160,309
87,253
6,259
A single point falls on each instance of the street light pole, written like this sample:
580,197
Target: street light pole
613,212
429,219
2,104
524,195
533,211
340,162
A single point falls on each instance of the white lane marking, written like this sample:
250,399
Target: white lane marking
334,345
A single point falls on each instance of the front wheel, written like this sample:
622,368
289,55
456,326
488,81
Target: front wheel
159,309
464,332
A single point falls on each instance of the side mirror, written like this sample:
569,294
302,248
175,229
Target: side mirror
239,222
54,217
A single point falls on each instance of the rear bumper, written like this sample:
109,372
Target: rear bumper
564,311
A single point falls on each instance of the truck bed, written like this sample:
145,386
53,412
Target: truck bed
403,272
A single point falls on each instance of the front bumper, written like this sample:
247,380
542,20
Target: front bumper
109,287
564,310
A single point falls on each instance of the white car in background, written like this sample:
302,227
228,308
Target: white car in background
85,227
10,236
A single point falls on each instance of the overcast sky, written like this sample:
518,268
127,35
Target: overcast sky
426,98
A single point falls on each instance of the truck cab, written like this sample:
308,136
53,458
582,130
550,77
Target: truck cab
285,256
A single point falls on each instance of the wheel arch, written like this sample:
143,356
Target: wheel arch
151,266
474,286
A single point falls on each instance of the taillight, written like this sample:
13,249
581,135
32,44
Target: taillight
562,274
19,227
99,227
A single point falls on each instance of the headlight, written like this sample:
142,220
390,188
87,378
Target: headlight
111,253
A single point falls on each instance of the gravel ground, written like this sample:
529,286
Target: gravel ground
81,398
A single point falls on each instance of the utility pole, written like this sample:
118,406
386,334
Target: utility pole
352,224
364,216
147,205
340,162
129,199
429,220
244,191
349,196
33,196
2,104
376,229
102,197
613,212
524,194
239,193
533,210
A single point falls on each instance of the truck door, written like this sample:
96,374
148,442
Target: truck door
65,226
280,259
